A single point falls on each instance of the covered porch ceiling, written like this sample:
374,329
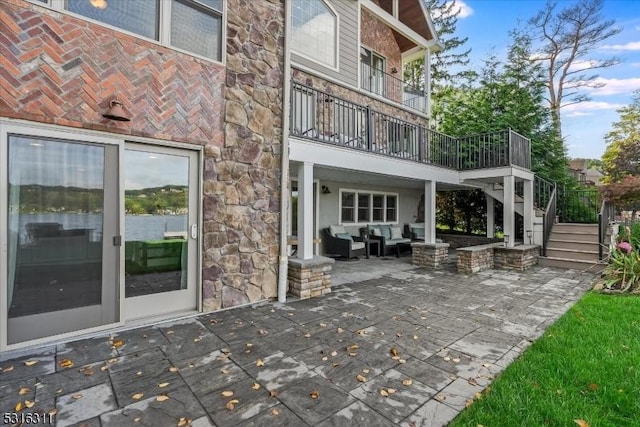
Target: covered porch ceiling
348,176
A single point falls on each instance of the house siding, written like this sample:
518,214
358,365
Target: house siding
348,54
62,70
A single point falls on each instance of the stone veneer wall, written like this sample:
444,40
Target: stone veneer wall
59,69
310,277
517,258
377,36
242,177
475,258
356,97
431,256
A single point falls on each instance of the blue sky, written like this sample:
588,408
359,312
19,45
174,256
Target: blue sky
487,23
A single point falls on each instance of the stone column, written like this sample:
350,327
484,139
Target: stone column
305,210
528,212
430,212
509,211
491,224
429,255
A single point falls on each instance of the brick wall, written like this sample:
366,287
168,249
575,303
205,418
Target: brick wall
63,70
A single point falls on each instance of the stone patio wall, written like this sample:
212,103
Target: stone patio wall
428,255
517,258
462,241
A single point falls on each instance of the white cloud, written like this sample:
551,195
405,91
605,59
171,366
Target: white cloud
459,5
633,46
588,108
615,86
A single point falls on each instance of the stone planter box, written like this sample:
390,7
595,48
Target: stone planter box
483,257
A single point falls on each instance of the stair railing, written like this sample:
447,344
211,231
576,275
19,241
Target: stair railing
546,192
604,217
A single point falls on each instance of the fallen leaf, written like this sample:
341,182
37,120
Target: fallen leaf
477,396
227,393
52,412
182,422
314,394
162,398
213,321
407,381
472,381
7,369
307,335
455,359
163,385
394,352
468,403
335,365
262,332
441,397
353,347
340,330
446,358
87,371
19,407
398,334
324,359
323,325
395,357
24,390
361,332
593,386
255,386
361,378
402,361
232,404
117,343
366,371
77,396
249,345
582,423
104,367
169,332
334,353
225,371
384,393
273,393
112,360
353,354
415,337
30,362
138,373
391,390
65,363
275,412
137,396
259,363
59,390
29,403
173,369
197,339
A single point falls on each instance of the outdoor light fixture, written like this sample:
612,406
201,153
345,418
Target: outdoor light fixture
394,70
506,240
529,235
325,190
99,4
116,111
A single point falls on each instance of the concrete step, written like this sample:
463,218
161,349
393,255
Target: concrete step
574,236
556,262
572,244
583,255
577,228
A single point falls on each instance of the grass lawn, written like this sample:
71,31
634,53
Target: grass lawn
585,367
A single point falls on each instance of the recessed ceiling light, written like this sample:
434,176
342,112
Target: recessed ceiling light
99,4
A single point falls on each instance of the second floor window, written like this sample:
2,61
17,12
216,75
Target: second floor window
314,31
193,25
372,75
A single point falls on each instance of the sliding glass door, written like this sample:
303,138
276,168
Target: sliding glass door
62,228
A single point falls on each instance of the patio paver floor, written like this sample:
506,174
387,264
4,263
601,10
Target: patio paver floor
452,334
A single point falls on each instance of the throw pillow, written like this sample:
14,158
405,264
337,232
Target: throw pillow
376,232
419,232
344,236
335,229
396,233
386,231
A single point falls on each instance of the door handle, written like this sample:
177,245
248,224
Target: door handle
194,231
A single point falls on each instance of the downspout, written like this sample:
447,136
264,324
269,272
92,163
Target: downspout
284,153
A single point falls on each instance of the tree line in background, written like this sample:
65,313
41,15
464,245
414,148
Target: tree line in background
547,67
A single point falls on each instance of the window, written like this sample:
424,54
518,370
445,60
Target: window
372,66
348,207
193,25
366,207
314,31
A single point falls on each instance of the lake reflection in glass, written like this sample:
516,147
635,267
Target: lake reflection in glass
54,265
156,225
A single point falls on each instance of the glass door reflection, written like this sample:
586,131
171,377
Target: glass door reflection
156,222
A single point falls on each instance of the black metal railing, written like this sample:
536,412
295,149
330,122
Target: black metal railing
545,191
579,206
391,87
606,215
324,117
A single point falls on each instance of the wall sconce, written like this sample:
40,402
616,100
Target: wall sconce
116,111
325,190
394,70
506,240
530,235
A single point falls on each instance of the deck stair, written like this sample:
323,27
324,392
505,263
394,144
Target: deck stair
573,246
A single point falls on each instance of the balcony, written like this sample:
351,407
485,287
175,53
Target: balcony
323,117
392,88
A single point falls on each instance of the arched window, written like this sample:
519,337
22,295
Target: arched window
314,31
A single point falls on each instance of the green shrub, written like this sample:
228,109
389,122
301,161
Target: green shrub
634,235
623,272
